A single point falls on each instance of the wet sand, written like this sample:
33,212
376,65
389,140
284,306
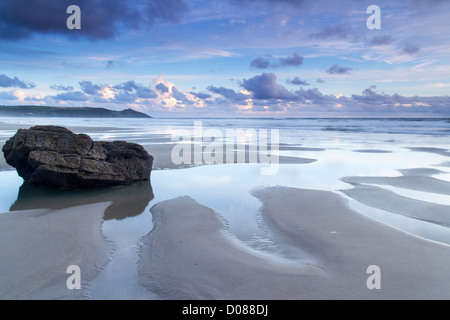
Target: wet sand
37,247
188,255
380,198
419,183
162,154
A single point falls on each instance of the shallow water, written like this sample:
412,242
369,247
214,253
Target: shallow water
226,188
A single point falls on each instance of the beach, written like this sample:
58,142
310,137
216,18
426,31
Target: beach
344,196
203,263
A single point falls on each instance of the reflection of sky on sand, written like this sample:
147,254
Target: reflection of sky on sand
226,188
420,195
9,189
119,279
426,230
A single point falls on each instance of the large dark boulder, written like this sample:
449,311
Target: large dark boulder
55,156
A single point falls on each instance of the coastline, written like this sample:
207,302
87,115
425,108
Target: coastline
303,208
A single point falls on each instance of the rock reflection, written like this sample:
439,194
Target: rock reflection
127,201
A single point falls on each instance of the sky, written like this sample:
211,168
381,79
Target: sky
226,58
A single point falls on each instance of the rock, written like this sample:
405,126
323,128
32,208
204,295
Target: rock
55,156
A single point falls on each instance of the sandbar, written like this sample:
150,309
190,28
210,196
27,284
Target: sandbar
188,255
37,247
413,182
389,201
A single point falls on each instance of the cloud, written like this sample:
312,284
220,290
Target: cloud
169,10
124,96
338,32
411,49
297,81
267,96
260,63
228,93
295,60
372,102
7,95
100,19
71,96
89,88
320,81
315,97
290,61
129,86
380,40
7,82
162,87
109,64
61,87
264,86
335,69
139,90
201,95
182,98
145,93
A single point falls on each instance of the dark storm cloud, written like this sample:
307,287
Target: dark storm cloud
100,19
7,82
335,69
297,81
264,86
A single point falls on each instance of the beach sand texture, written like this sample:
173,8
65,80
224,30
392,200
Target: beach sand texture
191,254
37,246
188,256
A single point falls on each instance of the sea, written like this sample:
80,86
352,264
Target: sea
338,148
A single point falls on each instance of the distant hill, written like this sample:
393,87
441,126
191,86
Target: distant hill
70,112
